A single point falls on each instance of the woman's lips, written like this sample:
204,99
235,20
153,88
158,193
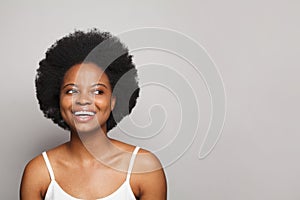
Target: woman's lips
83,118
83,115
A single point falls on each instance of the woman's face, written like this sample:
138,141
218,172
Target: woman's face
86,98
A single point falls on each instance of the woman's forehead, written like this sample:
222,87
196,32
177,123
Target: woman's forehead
85,73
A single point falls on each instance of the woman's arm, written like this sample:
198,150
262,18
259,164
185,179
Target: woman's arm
33,180
154,186
151,177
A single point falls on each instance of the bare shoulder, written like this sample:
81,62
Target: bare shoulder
149,174
36,169
35,179
148,179
146,161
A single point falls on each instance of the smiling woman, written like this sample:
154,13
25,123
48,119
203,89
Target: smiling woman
85,100
76,89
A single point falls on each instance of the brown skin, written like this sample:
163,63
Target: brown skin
76,163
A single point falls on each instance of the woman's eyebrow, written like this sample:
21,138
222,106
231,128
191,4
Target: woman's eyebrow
94,85
70,84
99,84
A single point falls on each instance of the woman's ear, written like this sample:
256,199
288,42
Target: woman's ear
112,102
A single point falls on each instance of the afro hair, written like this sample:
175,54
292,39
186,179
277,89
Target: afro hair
100,48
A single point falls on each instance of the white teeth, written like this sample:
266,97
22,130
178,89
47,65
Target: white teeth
84,113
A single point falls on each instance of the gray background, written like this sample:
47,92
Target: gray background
255,45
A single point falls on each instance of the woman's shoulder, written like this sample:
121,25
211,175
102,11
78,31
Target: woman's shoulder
147,175
36,168
35,178
145,160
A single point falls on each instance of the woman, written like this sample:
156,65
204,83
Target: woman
77,87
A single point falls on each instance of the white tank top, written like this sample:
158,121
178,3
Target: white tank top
124,192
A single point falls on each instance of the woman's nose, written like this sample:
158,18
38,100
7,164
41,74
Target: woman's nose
84,99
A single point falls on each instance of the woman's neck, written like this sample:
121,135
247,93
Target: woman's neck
86,147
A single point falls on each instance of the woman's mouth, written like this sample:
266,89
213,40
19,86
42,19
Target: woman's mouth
84,116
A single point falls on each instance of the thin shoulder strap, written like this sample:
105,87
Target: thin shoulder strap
50,170
133,156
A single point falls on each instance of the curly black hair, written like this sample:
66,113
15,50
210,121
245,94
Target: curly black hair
100,48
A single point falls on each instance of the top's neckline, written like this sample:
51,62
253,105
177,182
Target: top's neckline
126,182
103,198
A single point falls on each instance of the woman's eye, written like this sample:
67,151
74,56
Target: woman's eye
98,92
72,91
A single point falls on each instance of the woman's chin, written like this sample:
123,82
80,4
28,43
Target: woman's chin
89,129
